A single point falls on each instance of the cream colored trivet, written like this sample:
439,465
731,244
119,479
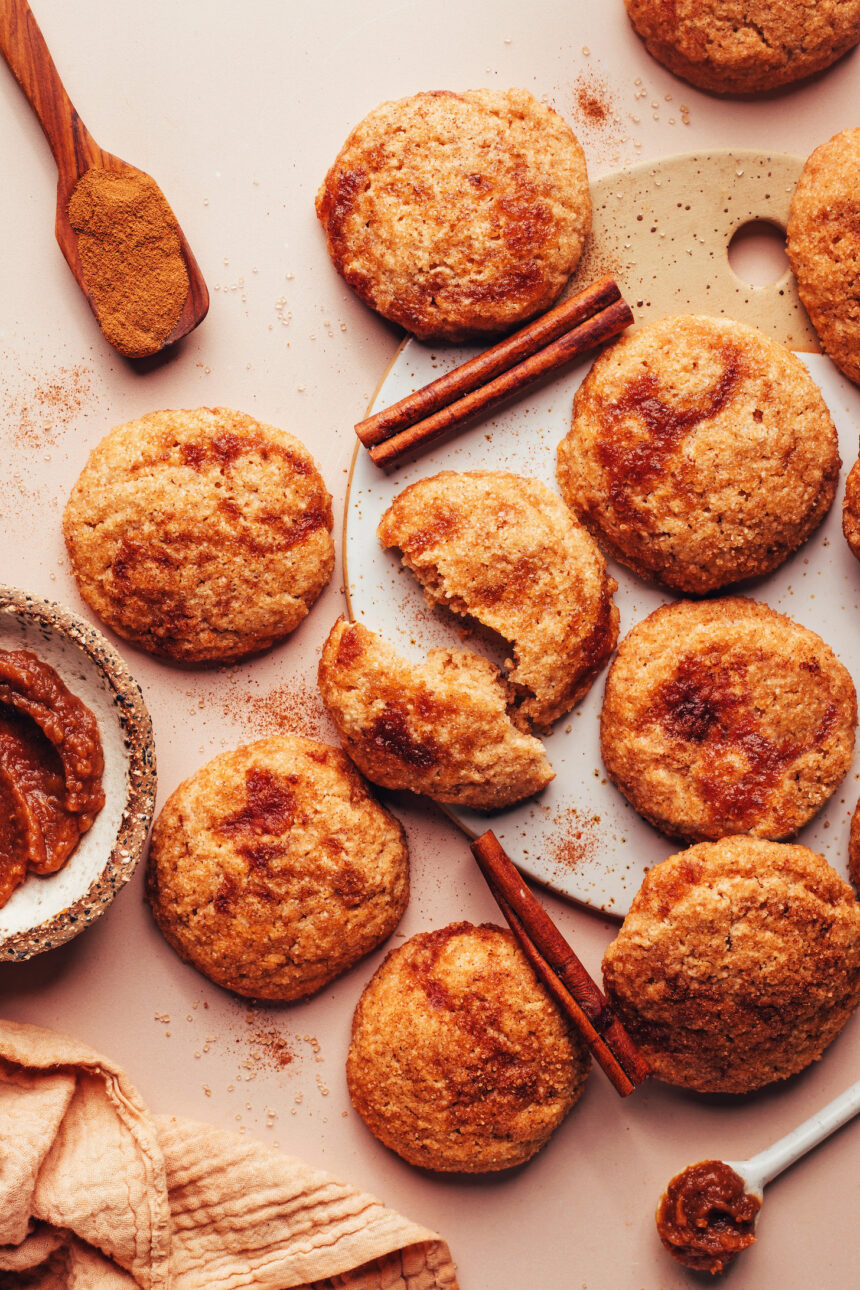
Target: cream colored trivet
580,836
663,229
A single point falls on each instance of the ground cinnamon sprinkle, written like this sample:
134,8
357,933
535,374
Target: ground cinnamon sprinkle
289,708
595,117
131,257
42,404
575,839
591,105
270,1050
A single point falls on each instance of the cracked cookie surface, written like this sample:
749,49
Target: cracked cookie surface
440,728
456,215
272,869
200,535
700,453
746,46
738,963
504,550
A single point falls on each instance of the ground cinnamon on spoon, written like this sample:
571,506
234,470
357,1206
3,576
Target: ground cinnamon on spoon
131,257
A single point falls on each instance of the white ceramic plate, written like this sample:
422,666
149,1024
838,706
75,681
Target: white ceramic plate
579,836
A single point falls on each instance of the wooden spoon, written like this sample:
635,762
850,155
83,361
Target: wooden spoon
75,152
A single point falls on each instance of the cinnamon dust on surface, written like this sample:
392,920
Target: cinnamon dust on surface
293,707
40,405
269,1049
596,118
591,103
575,839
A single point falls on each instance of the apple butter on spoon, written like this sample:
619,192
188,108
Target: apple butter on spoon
706,1216
708,1212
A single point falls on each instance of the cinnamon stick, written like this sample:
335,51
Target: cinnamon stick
565,1000
555,963
491,363
594,331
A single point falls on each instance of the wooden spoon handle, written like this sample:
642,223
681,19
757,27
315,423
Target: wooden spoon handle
23,46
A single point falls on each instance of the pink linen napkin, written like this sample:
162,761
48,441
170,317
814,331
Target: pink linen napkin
97,1194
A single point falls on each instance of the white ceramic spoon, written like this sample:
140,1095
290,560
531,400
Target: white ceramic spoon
709,1211
764,1167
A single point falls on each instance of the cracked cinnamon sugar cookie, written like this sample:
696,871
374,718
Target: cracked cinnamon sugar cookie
854,849
738,963
440,728
701,452
746,46
505,550
272,870
200,535
851,509
459,1060
823,245
456,215
725,717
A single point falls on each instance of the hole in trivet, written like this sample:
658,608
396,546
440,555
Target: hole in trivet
757,253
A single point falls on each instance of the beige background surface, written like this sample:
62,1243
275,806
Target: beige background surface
237,111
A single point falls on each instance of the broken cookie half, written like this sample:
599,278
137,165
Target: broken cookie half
505,551
440,728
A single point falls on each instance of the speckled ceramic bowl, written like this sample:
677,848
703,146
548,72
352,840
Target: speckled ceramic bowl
47,911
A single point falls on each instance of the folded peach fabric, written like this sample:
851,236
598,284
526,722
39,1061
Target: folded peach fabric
97,1194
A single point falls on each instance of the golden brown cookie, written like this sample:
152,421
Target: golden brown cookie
726,717
459,1060
439,728
854,848
823,245
272,869
701,452
455,215
746,46
505,550
851,509
738,963
200,535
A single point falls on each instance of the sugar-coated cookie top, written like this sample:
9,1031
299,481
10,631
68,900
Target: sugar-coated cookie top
701,452
746,46
457,214
459,1059
738,963
202,535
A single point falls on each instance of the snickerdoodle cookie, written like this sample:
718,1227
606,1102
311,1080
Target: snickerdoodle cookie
823,245
272,869
440,728
738,963
725,717
854,848
455,215
459,1060
746,46
701,452
506,551
851,509
200,535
